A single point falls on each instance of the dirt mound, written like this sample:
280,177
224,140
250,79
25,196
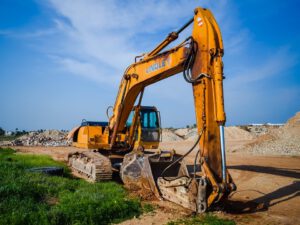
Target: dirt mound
191,134
182,132
45,138
169,135
236,133
293,122
282,141
231,133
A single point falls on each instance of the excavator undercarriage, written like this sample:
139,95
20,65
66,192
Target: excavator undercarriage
93,165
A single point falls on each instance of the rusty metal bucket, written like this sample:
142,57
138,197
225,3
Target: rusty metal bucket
146,174
141,171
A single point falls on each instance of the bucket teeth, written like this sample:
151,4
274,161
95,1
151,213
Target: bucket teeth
92,165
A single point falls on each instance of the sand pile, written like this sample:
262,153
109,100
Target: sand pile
169,135
236,133
45,138
191,134
293,123
282,141
181,134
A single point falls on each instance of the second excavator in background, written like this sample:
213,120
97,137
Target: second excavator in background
128,143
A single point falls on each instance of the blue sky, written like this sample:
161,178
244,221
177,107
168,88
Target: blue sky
61,61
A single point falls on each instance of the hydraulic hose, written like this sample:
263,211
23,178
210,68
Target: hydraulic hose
180,158
189,64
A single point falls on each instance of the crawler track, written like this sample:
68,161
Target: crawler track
92,165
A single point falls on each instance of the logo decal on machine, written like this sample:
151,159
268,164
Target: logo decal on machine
158,65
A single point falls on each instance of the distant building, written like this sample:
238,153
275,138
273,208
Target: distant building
266,124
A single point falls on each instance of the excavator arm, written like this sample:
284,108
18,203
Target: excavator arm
199,57
140,75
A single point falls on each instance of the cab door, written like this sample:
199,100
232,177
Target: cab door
150,125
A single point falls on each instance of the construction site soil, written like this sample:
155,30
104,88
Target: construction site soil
264,164
268,188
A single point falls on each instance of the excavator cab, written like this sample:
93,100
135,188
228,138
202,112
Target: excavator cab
148,133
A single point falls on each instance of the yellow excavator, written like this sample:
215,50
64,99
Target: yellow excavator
128,143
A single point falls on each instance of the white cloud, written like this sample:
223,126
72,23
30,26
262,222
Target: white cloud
103,37
105,30
99,39
110,33
87,70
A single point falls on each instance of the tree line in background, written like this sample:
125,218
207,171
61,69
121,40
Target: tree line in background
191,126
17,132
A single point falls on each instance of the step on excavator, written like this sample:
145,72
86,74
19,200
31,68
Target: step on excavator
129,142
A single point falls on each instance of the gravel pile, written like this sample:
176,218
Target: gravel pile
191,134
236,133
46,138
282,141
181,134
169,135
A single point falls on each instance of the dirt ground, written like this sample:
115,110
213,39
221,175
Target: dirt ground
268,188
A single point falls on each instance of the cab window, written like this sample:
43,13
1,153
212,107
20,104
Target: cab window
149,119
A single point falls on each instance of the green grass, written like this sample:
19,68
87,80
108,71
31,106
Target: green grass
206,219
148,208
28,160
34,198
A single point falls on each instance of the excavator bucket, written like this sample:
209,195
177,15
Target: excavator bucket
180,184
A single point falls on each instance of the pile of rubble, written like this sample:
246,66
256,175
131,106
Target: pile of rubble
237,133
188,134
282,141
45,138
191,134
168,135
181,134
270,139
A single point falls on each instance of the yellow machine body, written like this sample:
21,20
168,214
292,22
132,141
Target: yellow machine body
95,135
